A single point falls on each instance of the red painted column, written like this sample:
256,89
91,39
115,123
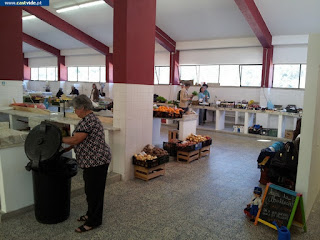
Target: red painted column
267,68
109,68
11,56
26,69
134,38
62,69
174,68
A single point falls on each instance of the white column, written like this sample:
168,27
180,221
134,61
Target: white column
187,127
156,127
308,177
133,108
220,119
281,126
248,121
236,120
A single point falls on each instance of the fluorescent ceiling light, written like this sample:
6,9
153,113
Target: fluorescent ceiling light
28,17
89,4
84,5
263,140
67,9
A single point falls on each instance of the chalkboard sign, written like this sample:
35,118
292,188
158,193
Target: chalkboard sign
280,205
277,206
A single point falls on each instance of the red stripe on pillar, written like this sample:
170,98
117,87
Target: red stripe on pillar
174,68
11,56
267,68
109,68
26,69
62,69
133,39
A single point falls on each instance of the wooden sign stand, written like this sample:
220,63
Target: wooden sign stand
297,216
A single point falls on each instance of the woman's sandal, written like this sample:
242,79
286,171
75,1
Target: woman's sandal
82,229
82,218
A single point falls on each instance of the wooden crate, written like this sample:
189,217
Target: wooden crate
187,157
149,173
205,151
173,134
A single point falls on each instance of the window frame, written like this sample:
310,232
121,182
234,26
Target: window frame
158,77
299,80
77,78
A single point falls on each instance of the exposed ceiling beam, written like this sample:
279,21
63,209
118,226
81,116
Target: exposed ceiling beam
161,37
164,40
39,44
67,28
256,22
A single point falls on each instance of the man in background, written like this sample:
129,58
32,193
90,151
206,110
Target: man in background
185,97
74,91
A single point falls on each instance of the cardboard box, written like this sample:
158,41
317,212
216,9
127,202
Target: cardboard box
288,134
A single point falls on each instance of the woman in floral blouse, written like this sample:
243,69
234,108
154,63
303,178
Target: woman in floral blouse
94,156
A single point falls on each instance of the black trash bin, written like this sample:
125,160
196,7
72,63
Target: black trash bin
51,173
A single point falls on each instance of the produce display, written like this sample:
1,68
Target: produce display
185,144
154,151
167,112
144,157
29,105
197,138
195,93
161,99
150,156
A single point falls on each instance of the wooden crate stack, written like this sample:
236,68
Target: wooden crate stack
149,173
188,157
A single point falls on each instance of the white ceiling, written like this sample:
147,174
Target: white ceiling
182,20
290,17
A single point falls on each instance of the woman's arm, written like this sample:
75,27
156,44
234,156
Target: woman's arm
77,138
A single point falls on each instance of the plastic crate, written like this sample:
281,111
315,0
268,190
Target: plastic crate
163,159
273,132
146,164
171,148
207,143
190,148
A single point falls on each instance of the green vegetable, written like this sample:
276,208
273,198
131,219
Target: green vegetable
161,99
195,93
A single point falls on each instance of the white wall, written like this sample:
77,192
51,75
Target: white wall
290,54
308,177
10,90
249,55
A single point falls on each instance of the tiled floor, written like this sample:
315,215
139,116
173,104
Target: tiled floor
201,200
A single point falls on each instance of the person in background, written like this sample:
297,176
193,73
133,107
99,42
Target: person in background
94,96
207,97
93,156
202,99
185,97
59,93
178,96
74,91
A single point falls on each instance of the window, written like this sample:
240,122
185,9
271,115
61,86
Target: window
51,74
44,74
87,74
229,75
251,75
209,74
303,76
286,76
83,74
72,74
102,74
94,74
162,75
189,73
34,74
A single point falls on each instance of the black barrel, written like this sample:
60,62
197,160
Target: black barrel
51,173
